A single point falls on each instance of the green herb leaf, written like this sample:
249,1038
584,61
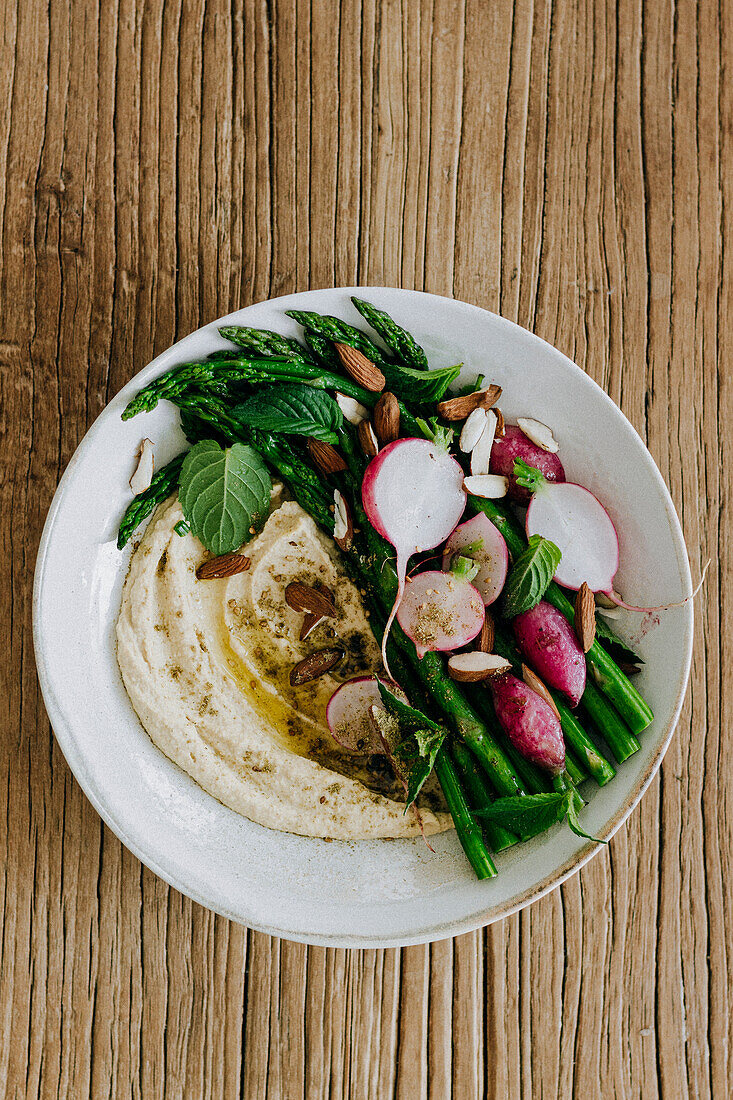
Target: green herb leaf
616,646
575,803
527,814
465,569
530,576
414,741
294,409
419,387
224,493
528,477
409,717
435,432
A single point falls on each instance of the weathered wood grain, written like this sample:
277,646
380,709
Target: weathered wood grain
567,163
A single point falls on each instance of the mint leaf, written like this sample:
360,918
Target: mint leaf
414,741
409,717
616,646
420,387
223,493
294,409
575,803
527,814
530,576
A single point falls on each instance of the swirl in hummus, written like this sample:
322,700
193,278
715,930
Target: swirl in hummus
206,665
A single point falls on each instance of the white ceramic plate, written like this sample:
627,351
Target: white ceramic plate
369,893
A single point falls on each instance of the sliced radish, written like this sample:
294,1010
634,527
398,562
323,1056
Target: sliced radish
489,486
515,444
481,453
348,714
413,496
479,539
440,612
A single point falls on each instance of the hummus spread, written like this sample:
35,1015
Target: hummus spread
206,664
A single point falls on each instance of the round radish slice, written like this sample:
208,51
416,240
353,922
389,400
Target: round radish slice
440,612
515,444
581,528
348,715
478,539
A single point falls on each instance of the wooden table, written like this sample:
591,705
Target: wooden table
568,165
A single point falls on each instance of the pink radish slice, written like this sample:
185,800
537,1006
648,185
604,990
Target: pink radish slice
348,714
515,444
581,528
491,555
413,496
529,722
550,647
440,612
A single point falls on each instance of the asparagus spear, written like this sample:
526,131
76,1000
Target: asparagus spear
497,836
400,342
266,344
467,828
162,485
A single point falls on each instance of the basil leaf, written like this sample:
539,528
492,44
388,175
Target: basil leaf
575,803
616,646
224,493
294,409
532,813
530,576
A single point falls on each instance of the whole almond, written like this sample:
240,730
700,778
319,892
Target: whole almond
302,597
469,668
458,408
533,681
585,617
486,637
367,438
226,565
314,665
387,418
361,369
325,457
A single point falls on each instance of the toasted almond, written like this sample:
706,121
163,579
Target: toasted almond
325,457
533,681
387,418
472,430
458,408
473,666
481,453
314,665
500,424
585,617
367,439
486,637
352,409
361,369
489,486
302,597
140,480
539,433
226,565
343,524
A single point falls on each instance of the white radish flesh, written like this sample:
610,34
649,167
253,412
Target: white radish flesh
348,715
481,453
440,612
481,541
581,528
413,496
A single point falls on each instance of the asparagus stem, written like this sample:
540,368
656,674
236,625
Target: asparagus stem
467,828
162,485
399,341
263,342
607,675
497,836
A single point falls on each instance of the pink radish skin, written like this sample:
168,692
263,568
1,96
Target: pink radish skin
550,647
492,557
440,612
413,496
348,715
530,724
515,444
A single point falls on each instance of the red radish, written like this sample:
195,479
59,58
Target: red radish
413,496
478,539
529,722
515,444
348,714
549,645
440,611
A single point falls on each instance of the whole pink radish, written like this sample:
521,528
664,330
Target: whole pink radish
529,722
515,444
349,714
479,540
440,611
413,496
549,646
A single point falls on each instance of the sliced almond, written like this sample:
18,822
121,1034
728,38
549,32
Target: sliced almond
352,409
585,617
309,624
343,524
472,430
140,480
489,486
325,457
487,636
387,418
315,665
303,597
481,453
458,408
367,439
606,602
225,565
500,424
539,433
361,369
533,681
470,667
